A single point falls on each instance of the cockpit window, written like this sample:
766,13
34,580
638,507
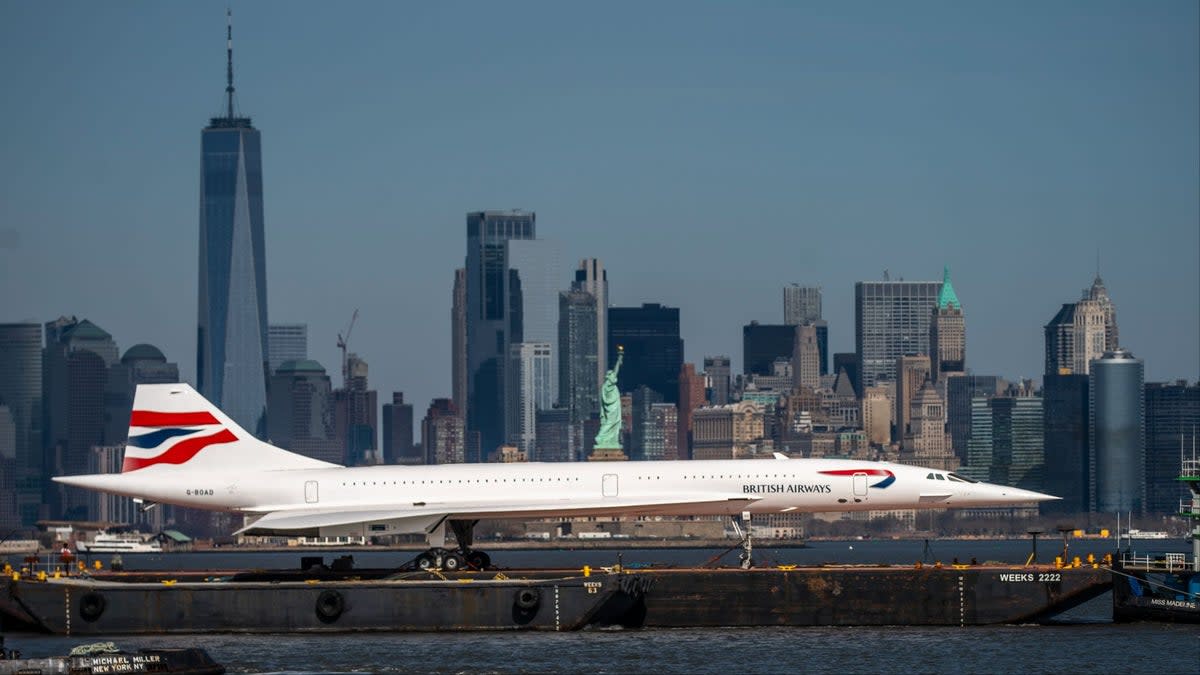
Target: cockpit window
930,476
939,476
955,476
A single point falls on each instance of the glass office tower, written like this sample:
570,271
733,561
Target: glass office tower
494,318
231,337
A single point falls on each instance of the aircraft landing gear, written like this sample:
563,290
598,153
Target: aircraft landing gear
453,560
461,558
747,554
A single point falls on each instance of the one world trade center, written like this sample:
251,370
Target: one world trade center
231,349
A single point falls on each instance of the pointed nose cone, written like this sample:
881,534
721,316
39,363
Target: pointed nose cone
1012,495
1031,496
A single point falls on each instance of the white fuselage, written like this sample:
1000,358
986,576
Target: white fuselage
569,489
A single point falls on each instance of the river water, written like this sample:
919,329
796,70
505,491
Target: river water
1082,641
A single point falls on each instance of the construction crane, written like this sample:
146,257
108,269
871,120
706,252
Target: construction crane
342,341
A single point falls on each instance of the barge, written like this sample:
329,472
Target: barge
1163,586
555,600
177,603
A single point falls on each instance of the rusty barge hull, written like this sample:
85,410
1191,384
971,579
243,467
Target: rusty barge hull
867,596
170,605
263,601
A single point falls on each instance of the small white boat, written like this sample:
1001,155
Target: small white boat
1139,534
123,542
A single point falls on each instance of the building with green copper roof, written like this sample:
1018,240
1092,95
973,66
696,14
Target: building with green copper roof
947,298
947,333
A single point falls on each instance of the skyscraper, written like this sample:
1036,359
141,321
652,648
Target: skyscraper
494,317
555,438
660,434
577,355
76,361
716,377
877,413
442,433
398,432
537,264
287,342
1172,428
458,341
801,304
1065,431
356,413
591,277
691,397
762,344
1118,433
653,348
947,334
232,352
926,442
10,516
21,391
806,357
528,383
646,441
891,319
1099,294
911,374
301,418
960,389
1075,337
1006,441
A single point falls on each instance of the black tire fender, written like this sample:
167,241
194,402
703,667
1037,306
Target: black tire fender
330,606
91,606
528,598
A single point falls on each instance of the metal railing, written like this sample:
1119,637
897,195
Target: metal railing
1190,469
1162,562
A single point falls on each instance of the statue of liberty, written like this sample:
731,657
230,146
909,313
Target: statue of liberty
609,437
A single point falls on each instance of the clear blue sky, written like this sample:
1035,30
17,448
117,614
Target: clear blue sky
708,153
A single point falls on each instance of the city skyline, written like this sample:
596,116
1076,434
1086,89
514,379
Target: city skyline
747,162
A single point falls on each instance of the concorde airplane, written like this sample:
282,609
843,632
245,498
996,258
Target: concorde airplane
183,450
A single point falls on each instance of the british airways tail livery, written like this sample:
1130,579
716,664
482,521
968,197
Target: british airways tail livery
183,450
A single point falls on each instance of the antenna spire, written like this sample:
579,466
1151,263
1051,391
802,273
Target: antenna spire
229,61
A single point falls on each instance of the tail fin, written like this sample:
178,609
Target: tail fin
172,425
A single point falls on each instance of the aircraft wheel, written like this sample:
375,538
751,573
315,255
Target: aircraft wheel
453,562
479,560
425,561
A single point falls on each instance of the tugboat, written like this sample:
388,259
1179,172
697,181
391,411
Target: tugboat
105,657
1163,587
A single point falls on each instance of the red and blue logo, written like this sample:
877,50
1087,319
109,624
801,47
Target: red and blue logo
889,477
175,433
